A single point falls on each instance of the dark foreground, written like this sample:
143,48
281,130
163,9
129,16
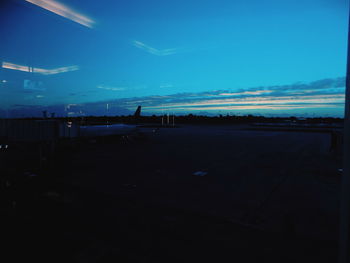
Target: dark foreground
187,194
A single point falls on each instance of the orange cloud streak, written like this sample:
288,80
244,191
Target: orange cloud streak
283,100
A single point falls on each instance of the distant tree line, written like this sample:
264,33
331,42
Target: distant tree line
196,119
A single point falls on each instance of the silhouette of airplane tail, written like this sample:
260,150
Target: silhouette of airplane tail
137,113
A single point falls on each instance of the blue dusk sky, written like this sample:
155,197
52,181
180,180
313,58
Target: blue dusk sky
88,57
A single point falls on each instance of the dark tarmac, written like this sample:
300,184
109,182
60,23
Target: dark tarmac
267,196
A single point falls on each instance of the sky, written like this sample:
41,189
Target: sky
87,57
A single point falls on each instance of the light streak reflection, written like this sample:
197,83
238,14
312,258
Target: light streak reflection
42,71
64,11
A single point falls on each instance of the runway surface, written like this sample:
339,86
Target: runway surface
270,180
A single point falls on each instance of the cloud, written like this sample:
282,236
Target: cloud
64,11
154,51
257,92
166,85
111,88
324,94
42,71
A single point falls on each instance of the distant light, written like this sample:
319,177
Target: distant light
4,81
40,96
65,11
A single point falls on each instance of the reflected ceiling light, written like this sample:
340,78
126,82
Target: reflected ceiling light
55,70
154,51
64,11
42,71
15,67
